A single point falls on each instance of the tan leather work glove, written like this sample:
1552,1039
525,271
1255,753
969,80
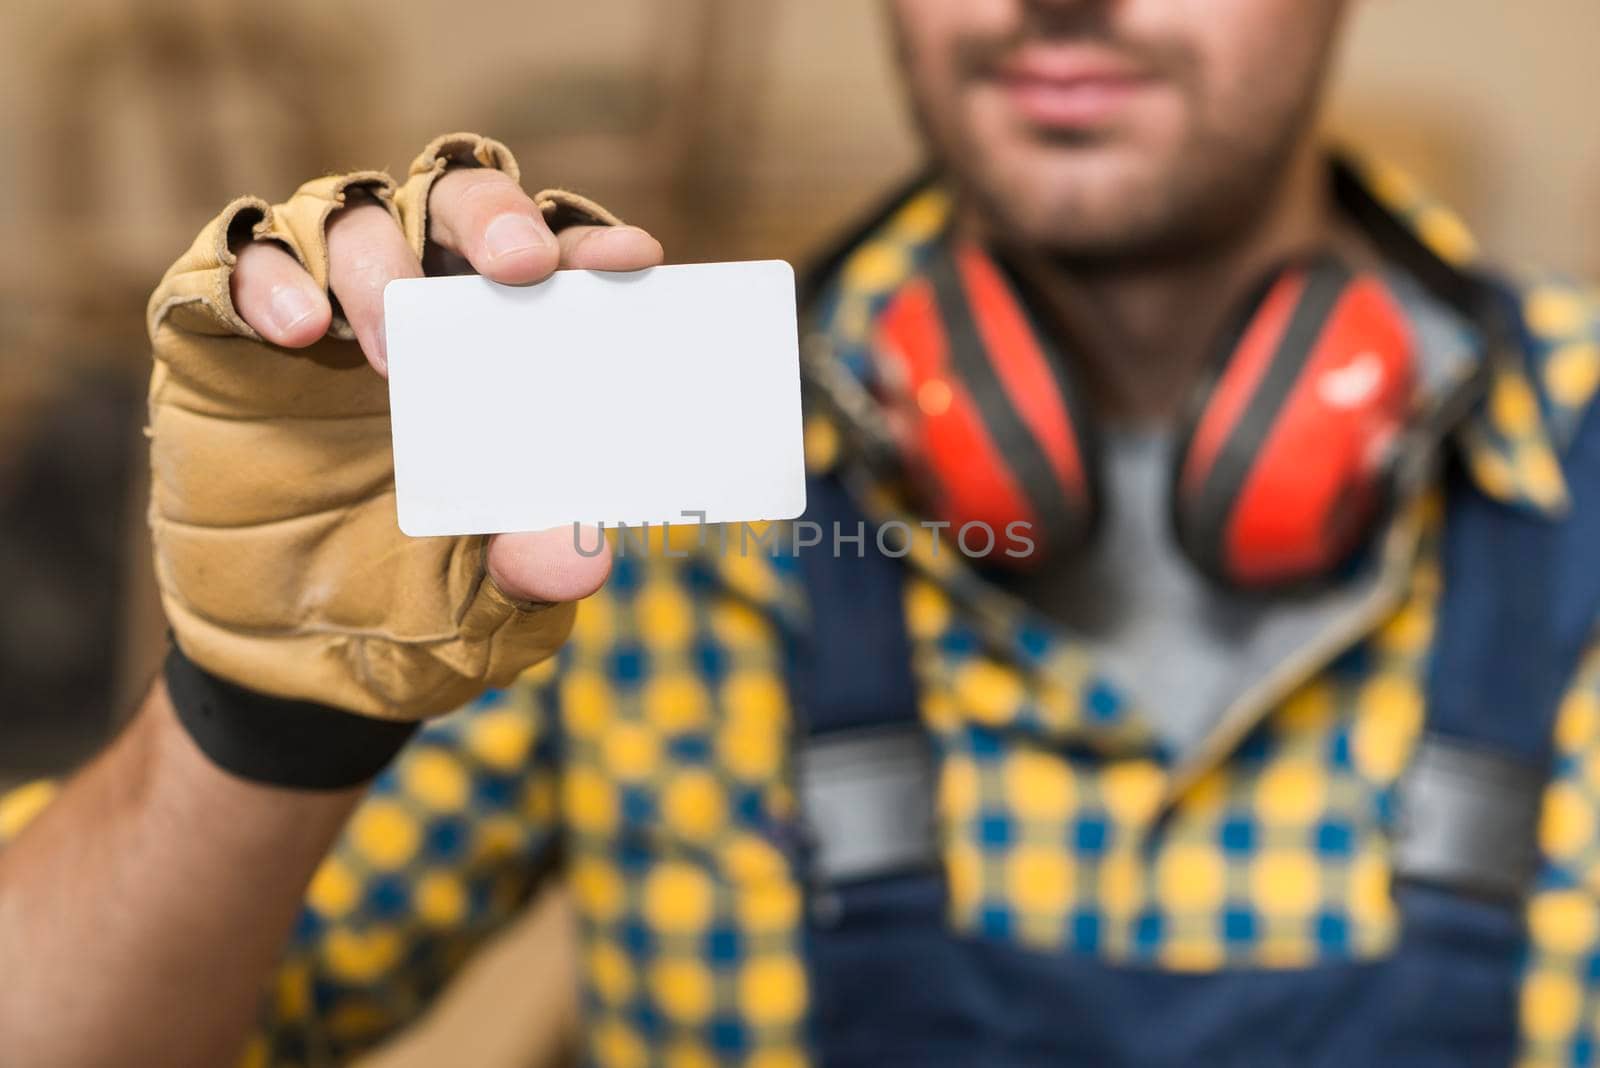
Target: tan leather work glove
280,563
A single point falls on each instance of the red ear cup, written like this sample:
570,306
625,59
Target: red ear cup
984,410
1285,462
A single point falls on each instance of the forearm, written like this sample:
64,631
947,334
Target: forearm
141,913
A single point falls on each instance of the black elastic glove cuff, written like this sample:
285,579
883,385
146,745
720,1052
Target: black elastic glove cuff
277,741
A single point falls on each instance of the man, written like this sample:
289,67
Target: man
1239,764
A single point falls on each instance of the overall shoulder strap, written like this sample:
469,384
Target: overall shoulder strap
853,669
1519,605
864,765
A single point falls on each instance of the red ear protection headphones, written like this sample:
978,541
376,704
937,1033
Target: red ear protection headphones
1280,470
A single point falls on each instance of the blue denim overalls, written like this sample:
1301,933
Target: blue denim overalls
892,984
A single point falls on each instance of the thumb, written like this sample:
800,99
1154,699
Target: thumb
562,564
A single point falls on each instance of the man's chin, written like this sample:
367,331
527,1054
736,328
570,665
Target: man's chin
1091,210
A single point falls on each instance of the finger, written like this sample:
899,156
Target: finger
485,216
366,251
275,295
550,565
609,248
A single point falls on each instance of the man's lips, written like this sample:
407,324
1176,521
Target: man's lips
1069,88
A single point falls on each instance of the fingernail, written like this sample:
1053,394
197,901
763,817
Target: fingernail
289,307
616,233
508,234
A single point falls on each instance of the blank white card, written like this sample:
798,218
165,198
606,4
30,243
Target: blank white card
596,397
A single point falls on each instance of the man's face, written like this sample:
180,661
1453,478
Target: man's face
1116,128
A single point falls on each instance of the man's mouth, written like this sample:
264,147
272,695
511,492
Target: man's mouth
1069,87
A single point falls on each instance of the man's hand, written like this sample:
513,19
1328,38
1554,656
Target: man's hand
141,912
479,220
280,561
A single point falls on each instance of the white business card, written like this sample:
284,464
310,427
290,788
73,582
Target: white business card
596,397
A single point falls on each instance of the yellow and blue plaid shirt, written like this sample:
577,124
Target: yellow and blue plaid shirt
652,752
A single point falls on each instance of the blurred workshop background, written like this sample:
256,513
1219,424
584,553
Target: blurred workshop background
731,128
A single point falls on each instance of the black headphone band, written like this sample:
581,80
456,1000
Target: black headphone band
1470,295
